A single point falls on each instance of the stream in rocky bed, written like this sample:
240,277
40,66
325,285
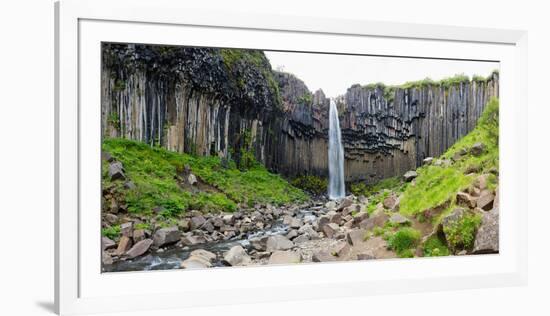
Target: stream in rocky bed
172,257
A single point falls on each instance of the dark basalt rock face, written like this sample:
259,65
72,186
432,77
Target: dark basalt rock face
209,102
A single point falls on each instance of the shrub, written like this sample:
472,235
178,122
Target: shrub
404,239
434,247
312,184
461,233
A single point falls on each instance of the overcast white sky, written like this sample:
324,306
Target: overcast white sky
335,73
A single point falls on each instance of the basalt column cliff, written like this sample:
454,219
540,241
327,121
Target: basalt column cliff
230,103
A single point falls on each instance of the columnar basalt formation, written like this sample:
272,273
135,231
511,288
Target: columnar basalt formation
208,101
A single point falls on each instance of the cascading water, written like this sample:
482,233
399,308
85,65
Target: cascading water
336,187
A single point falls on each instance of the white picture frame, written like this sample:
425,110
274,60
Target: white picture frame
82,25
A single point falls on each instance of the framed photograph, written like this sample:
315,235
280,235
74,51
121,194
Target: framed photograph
208,158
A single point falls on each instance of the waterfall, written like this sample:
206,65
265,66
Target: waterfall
336,187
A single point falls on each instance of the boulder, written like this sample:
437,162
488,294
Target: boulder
379,248
487,234
284,257
331,205
237,256
347,201
138,235
427,160
127,229
205,254
308,230
259,244
189,240
341,250
292,234
301,239
356,237
107,243
481,182
111,218
464,199
192,179
116,171
377,220
278,242
391,203
184,224
323,256
330,229
477,149
139,248
195,263
166,236
124,244
410,175
106,258
366,255
486,200
295,223
398,219
196,222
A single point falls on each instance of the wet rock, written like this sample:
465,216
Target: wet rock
139,248
192,179
124,244
116,171
487,234
237,256
427,160
295,223
196,222
477,149
205,254
278,242
330,230
284,257
189,240
259,244
464,199
486,200
166,236
196,262
107,243
331,205
356,237
127,229
410,175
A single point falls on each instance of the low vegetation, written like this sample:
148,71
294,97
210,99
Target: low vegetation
435,247
312,184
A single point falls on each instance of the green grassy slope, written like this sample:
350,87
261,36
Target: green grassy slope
159,177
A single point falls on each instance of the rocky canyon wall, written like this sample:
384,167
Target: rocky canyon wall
228,102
